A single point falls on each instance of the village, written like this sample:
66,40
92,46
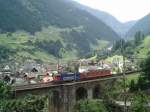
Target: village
31,72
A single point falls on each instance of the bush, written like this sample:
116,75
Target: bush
28,104
90,106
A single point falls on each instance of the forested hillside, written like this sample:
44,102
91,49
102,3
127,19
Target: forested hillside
49,28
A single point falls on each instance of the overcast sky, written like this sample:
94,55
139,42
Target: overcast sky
123,10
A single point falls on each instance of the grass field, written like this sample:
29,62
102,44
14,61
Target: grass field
134,77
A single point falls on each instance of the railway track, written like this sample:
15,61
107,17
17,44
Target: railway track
57,84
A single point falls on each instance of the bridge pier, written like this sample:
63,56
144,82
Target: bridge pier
68,98
54,102
96,92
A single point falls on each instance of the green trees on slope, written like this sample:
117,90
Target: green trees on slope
50,46
28,104
129,45
5,53
138,38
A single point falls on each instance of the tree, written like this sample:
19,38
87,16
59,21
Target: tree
146,68
144,80
5,90
118,45
138,38
28,104
132,86
140,103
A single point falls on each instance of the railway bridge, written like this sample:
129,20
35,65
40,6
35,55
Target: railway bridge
63,96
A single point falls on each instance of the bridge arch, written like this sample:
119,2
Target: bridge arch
96,92
81,93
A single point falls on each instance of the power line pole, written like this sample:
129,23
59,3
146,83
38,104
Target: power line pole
124,77
124,83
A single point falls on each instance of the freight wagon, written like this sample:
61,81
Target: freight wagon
95,73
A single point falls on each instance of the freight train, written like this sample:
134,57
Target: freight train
82,76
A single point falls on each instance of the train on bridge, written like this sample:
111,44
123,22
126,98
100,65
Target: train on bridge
68,76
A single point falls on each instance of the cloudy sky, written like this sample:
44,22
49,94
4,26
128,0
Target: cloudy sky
123,10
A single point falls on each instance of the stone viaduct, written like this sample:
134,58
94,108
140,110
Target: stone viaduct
63,96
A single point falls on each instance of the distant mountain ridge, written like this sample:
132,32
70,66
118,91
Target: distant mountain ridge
119,27
143,25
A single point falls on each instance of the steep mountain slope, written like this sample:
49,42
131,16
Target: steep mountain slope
32,15
142,25
55,25
116,25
